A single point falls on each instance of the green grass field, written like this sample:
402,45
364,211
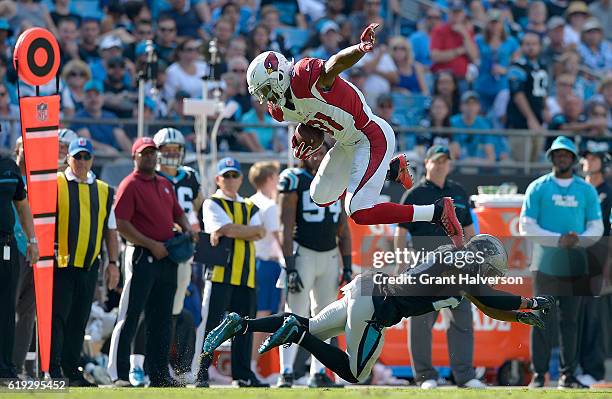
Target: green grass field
347,393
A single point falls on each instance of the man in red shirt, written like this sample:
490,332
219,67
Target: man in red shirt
452,43
146,209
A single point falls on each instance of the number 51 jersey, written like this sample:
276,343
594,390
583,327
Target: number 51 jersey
315,227
340,111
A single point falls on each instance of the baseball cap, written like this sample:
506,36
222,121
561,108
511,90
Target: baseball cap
436,151
591,24
555,22
94,85
79,145
327,26
576,7
455,5
109,42
227,165
141,143
470,95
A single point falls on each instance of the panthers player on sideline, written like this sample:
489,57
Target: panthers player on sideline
186,182
312,92
311,236
363,313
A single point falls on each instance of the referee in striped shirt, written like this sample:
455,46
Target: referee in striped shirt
85,217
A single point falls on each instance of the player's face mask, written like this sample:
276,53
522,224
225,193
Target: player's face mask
265,93
171,155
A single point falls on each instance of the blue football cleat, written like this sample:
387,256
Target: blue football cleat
137,377
290,330
229,327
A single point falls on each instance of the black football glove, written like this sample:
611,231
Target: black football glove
530,319
347,276
543,303
347,269
294,281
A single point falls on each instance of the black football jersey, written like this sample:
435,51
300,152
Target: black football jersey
392,302
186,185
315,227
532,79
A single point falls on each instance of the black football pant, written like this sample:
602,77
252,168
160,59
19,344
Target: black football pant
73,292
242,300
149,286
565,316
9,276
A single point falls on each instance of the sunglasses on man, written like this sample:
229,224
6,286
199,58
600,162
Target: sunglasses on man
231,175
82,155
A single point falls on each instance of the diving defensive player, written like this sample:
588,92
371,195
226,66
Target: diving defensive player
363,314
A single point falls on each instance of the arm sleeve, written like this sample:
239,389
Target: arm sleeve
592,234
214,216
529,227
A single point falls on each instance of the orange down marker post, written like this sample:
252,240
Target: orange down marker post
36,59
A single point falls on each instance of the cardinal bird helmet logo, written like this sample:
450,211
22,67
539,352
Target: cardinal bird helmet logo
271,63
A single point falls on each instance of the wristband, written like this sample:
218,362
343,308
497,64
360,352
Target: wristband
114,262
347,262
290,262
33,240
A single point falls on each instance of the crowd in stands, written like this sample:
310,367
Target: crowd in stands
491,64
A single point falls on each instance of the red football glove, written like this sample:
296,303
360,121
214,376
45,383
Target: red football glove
301,150
368,38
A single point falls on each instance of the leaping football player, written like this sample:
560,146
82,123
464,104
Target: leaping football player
312,93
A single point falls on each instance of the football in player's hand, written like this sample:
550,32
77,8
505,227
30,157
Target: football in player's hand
310,136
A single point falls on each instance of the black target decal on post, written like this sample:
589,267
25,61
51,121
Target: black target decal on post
37,56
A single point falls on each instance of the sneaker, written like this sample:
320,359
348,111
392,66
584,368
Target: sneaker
122,384
569,382
285,380
448,220
290,330
587,379
537,381
230,326
399,171
474,384
250,383
322,380
137,377
429,384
